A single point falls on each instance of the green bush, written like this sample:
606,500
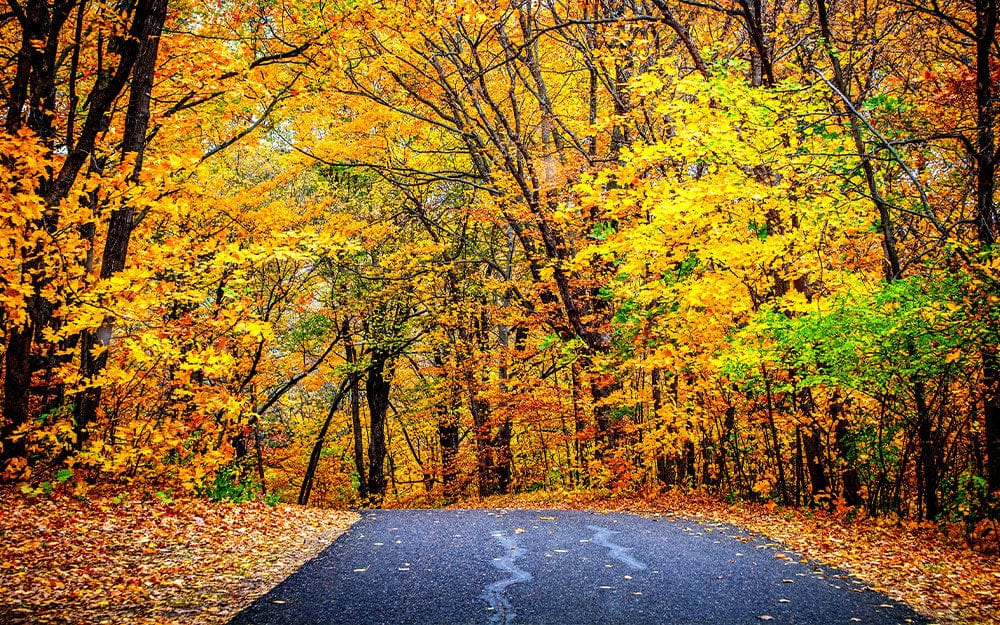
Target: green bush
232,484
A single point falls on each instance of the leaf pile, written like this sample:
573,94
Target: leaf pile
910,562
69,561
914,563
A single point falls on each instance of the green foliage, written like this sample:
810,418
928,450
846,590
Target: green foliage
886,103
602,230
46,487
309,328
230,484
968,499
913,329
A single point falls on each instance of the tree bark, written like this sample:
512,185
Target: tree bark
986,218
351,356
851,485
121,220
34,87
377,386
928,455
813,446
448,439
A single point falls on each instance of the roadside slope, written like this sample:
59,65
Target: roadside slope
63,560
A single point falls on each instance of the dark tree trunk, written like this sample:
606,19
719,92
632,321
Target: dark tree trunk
986,217
377,390
493,456
729,436
776,440
851,487
28,79
355,399
34,84
666,468
991,409
121,220
33,88
503,458
448,438
812,444
480,410
812,447
689,462
602,387
17,386
800,475
928,455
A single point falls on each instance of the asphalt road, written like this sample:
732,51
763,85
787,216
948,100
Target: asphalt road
490,567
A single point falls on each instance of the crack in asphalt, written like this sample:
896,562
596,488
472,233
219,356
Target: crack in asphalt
499,605
602,537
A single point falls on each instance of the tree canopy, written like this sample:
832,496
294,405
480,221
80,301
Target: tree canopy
344,251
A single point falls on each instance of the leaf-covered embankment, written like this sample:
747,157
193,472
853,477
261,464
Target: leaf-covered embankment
69,561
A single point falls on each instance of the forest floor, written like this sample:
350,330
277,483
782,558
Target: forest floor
928,567
109,561
192,562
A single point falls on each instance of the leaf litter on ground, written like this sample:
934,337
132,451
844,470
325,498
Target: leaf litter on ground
68,561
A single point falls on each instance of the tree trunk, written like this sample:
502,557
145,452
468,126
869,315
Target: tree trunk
503,459
851,487
121,220
377,387
800,475
33,88
928,455
448,435
666,468
776,440
17,387
480,410
448,438
812,444
991,410
351,356
986,218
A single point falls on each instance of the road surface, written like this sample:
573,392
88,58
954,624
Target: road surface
530,567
